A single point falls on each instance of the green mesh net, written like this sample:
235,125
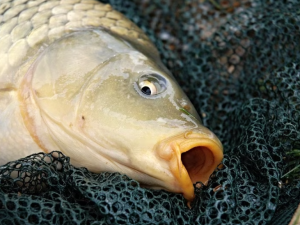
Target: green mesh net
238,61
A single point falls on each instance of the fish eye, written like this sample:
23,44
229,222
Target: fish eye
151,85
148,88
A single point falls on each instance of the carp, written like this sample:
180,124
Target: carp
79,77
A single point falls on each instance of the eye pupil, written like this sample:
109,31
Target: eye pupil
146,90
150,85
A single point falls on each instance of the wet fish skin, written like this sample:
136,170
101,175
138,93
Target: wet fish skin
69,81
25,27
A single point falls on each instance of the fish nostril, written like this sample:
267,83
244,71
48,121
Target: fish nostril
197,162
187,107
184,105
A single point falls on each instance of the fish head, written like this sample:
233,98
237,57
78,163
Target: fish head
111,106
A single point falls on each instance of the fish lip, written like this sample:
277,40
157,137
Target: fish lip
172,150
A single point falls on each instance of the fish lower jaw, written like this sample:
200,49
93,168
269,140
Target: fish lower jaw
191,160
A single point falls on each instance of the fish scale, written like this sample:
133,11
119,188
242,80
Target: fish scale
47,21
24,27
73,75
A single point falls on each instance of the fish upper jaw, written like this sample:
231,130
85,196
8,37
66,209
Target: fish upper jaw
191,156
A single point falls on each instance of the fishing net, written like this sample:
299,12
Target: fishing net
239,62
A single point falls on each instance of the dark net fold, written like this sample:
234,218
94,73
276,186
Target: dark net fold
239,62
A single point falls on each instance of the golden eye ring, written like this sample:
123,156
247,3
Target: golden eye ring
151,86
148,88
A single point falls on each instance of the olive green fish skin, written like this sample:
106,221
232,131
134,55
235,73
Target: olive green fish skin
78,77
25,27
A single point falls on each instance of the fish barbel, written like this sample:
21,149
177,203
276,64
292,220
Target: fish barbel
78,77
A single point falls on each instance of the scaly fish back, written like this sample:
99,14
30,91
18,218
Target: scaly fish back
27,26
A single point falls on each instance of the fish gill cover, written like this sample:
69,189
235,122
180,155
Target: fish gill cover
239,62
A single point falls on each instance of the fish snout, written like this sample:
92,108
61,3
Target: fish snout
192,157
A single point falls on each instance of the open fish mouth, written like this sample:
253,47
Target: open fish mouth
191,157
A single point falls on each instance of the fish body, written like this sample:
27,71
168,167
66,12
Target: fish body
78,77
